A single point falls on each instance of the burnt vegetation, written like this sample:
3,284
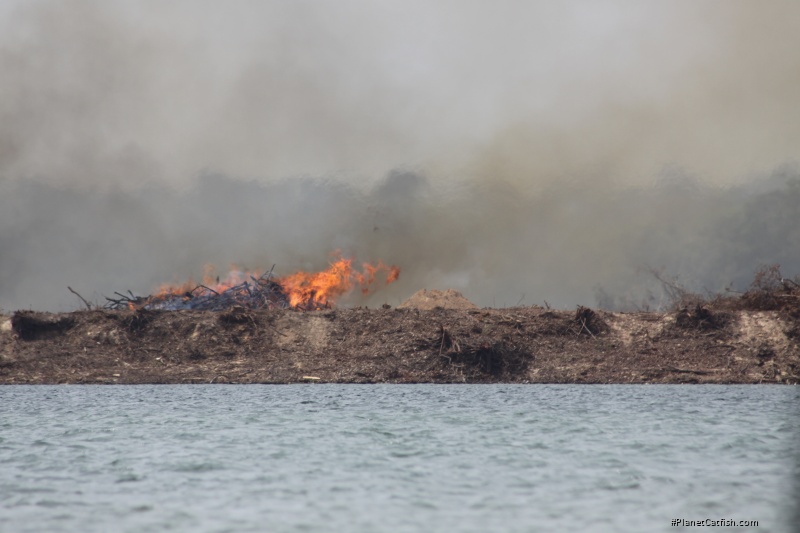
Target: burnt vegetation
254,293
732,338
476,357
770,291
30,325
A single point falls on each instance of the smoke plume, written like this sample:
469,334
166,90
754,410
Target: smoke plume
519,152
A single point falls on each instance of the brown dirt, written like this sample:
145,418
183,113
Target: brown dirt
433,299
408,345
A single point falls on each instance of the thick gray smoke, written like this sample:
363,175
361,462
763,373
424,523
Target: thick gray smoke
519,152
568,245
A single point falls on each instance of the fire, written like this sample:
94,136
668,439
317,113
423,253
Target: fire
301,290
314,290
210,281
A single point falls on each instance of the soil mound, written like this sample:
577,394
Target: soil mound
428,300
358,345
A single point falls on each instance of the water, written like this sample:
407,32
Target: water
394,458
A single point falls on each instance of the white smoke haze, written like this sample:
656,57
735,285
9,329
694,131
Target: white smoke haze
549,150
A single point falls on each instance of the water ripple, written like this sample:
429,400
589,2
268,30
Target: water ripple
392,458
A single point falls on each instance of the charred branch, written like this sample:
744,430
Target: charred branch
258,293
87,304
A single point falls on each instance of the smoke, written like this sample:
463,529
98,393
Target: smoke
567,246
520,152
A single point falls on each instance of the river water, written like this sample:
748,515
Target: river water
395,458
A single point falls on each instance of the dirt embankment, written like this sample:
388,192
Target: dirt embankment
408,345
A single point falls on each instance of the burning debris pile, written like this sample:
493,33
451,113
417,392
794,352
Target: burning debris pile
253,293
306,291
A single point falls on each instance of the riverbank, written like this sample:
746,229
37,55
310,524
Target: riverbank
511,345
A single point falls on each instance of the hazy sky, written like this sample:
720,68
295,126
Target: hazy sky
126,91
493,109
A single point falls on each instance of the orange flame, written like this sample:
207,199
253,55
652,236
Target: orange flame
315,290
304,290
234,277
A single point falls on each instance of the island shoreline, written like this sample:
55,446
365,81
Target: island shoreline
358,345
